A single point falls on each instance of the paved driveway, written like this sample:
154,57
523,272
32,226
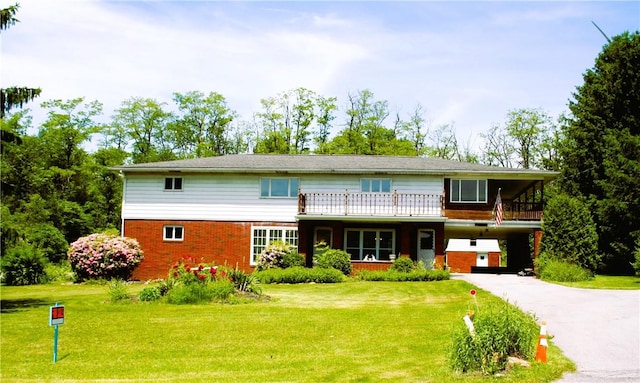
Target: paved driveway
598,329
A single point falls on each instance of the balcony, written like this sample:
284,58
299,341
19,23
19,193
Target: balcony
409,205
371,204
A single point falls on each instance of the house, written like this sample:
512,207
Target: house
227,209
465,255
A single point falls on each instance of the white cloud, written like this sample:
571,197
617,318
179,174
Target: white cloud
464,63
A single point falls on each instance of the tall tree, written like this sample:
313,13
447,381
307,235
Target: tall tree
498,149
364,131
144,121
325,108
13,96
518,143
203,127
526,128
286,122
602,148
416,130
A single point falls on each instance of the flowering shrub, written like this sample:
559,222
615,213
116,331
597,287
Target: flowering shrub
191,282
187,270
273,255
105,256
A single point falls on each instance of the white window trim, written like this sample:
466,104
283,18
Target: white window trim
253,261
173,239
173,183
486,189
295,192
378,179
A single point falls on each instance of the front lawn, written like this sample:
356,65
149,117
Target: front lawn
607,282
345,332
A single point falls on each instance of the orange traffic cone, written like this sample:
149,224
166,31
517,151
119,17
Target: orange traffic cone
541,352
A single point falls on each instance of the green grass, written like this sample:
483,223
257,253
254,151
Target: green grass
607,282
347,332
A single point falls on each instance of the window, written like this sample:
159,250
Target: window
173,183
261,236
468,190
370,244
375,185
173,233
279,187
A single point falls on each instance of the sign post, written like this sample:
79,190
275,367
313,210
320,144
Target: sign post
473,294
56,317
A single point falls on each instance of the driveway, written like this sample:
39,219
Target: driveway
598,329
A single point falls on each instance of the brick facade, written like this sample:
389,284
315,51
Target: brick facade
211,242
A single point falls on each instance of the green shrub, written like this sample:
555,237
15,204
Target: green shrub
300,275
192,293
60,272
23,265
560,271
50,240
243,282
150,294
636,263
500,331
569,232
118,290
403,265
396,276
292,259
334,258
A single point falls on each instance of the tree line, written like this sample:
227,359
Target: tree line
54,190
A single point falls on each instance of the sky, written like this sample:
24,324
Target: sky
465,63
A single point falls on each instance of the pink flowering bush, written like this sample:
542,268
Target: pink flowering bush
273,256
104,256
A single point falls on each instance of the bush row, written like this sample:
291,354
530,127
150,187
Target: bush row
300,274
397,276
560,271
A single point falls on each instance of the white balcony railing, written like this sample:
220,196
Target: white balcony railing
371,204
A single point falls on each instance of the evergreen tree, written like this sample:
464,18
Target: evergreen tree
602,148
13,96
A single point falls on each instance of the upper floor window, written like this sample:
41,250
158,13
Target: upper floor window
468,190
173,183
375,185
279,187
173,233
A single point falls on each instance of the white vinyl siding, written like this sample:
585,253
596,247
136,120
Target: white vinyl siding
227,197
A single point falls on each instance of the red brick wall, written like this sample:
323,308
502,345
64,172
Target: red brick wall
218,242
461,261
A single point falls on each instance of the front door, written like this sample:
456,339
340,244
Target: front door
482,260
426,247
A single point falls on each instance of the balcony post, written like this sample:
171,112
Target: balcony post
346,202
395,202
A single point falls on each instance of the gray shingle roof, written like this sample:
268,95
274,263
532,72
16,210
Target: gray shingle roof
326,164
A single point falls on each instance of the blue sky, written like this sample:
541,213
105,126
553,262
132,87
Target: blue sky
465,63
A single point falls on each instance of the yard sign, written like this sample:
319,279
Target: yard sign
56,317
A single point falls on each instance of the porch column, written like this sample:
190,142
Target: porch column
537,237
